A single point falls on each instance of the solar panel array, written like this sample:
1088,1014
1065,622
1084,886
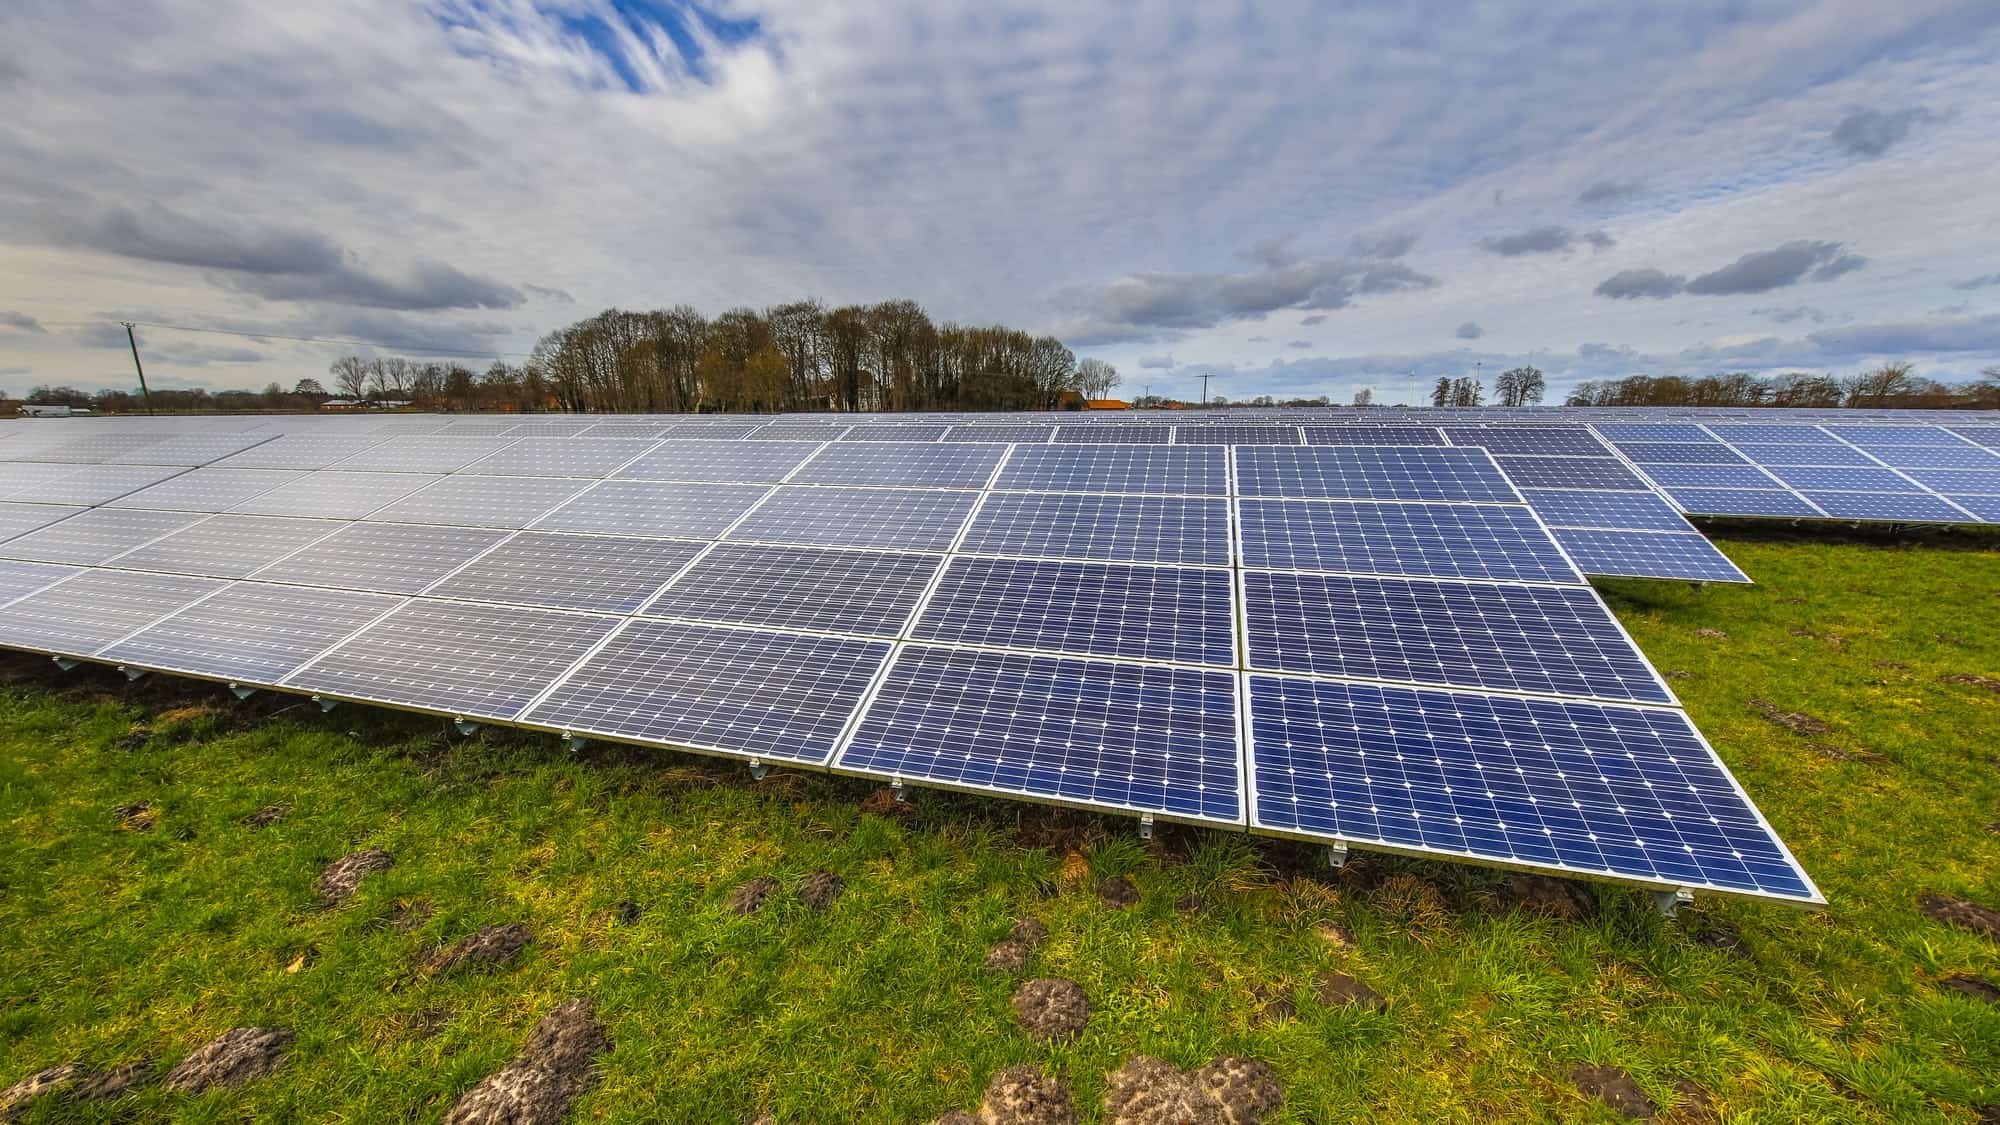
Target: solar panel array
1386,643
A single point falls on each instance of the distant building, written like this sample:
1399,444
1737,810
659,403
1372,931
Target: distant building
1108,404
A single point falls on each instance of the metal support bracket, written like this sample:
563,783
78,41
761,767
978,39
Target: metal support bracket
902,794
758,770
64,662
573,741
1666,902
241,692
464,726
1145,826
325,704
132,673
1336,855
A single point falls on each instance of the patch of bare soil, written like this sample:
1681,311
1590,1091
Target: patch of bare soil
1891,665
1694,1106
1338,990
1117,892
1978,988
104,1085
1970,680
267,816
552,1070
1711,634
238,1055
820,889
408,914
1798,722
1245,1090
1023,1095
1051,1008
17,1099
628,912
490,945
957,1117
1678,674
140,816
751,896
1841,753
343,876
1961,912
1541,894
1614,1088
1228,1091
1012,953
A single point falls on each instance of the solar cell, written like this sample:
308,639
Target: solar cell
1140,737
1239,433
90,538
1163,469
1843,479
716,429
870,593
389,558
1986,508
1934,456
458,658
991,431
561,457
1679,453
1568,472
468,501
911,519
96,607
1425,540
70,447
1959,480
1907,506
1651,431
188,449
19,579
77,484
1832,453
1547,640
1738,433
741,462
1988,436
423,453
1886,435
207,490
1561,507
1370,472
1582,788
1539,439
1743,502
335,495
626,430
733,691
800,431
1372,435
226,546
1158,529
250,632
1106,432
589,572
19,519
1088,609
1648,554
903,465
655,508
895,431
1710,476
300,451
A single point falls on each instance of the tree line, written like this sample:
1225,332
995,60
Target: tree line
1890,386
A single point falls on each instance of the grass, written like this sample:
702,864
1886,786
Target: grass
118,945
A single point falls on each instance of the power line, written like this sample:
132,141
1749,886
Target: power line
420,349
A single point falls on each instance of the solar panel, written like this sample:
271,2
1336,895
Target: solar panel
207,490
19,519
1886,435
1140,737
1743,502
1988,436
1710,476
1539,439
1423,540
483,429
716,429
655,508
1560,507
1089,609
732,691
335,495
188,449
590,572
1902,507
741,462
1568,472
561,457
1958,480
1155,529
1987,508
92,537
423,453
19,579
1546,640
467,501
1372,435
250,632
300,451
800,431
457,658
1738,433
869,593
911,519
1795,454
1106,432
77,484
903,465
1648,554
1651,431
1679,453
390,558
1242,433
895,431
627,430
1370,472
87,448
1843,479
1165,469
226,546
1027,435
1934,456
1573,787
96,607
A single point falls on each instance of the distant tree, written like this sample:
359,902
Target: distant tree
1466,390
1095,378
1364,397
1441,392
309,386
1878,387
1520,386
59,396
350,376
458,387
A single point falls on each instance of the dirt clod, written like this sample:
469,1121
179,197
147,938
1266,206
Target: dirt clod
1051,1008
751,896
1693,1106
1245,1090
1711,634
1970,680
1961,912
957,1117
15,1100
1150,1091
141,816
1541,894
230,1059
490,945
343,876
1978,988
104,1085
1023,1095
1722,939
628,912
1678,674
820,889
1798,722
1029,932
1338,990
1117,892
1615,1088
1009,956
553,1068
267,816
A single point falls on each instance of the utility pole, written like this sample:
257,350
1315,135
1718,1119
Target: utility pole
134,341
1204,388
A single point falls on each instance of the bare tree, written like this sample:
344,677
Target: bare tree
1365,396
350,376
1520,386
1095,378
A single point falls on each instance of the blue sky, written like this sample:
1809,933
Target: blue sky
1298,198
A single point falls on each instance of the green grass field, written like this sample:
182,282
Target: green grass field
118,945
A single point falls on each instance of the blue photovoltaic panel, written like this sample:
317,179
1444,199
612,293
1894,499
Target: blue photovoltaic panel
1932,456
1560,507
1161,469
1886,435
1090,609
1986,508
96,607
609,574
423,453
19,579
1743,502
1372,435
469,501
1679,453
1568,472
1142,737
1238,433
1789,454
1738,433
903,465
1107,432
1648,554
906,518
212,489
1988,436
626,430
1710,476
252,632
95,536
870,593
591,457
655,508
1585,788
1544,640
800,431
1541,439
390,558
335,495
1424,540
227,546
1651,431
1024,434
736,691
1958,480
741,462
895,431
1370,472
1843,480
1904,506
715,429
1158,529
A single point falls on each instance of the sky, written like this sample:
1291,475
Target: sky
1293,198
